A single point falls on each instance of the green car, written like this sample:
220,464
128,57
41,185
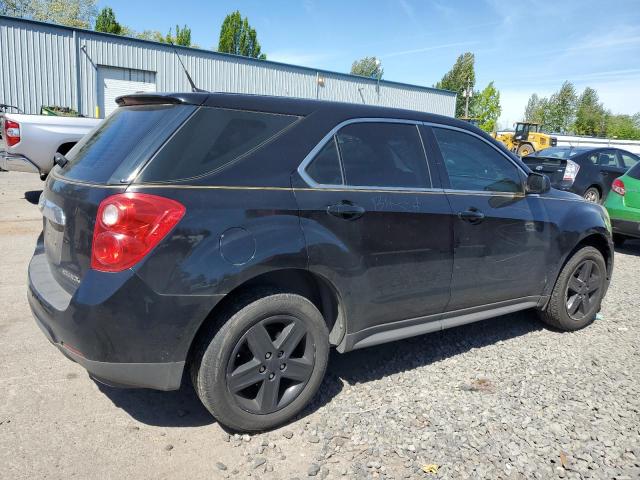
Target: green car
623,204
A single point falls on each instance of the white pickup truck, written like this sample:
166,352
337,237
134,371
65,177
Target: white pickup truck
29,142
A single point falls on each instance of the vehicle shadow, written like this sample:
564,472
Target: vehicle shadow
630,247
182,408
32,196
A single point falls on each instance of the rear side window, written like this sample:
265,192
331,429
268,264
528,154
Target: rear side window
115,149
628,159
211,139
383,155
472,164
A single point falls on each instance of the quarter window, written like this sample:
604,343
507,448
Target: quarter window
472,164
211,139
383,155
325,167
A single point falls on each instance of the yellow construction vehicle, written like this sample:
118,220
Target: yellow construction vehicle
527,138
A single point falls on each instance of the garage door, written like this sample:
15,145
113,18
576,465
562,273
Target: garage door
115,82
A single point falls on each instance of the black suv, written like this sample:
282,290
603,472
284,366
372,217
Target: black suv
238,237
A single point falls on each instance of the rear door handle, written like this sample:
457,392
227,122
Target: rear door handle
346,210
472,215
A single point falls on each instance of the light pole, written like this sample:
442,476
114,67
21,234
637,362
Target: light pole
467,93
378,75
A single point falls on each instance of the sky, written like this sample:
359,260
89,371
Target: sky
523,46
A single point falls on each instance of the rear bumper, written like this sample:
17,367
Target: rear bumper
122,332
626,227
158,376
17,163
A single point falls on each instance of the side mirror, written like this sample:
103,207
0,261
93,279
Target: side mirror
538,183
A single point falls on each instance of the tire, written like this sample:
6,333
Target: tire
618,240
557,312
231,373
592,194
525,149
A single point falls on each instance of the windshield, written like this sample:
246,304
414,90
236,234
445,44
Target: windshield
559,152
115,149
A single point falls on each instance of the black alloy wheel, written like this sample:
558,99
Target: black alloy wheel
270,364
583,289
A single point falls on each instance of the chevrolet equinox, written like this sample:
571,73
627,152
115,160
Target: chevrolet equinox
236,238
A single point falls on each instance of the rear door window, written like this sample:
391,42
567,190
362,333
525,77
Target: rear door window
116,148
472,164
212,139
383,155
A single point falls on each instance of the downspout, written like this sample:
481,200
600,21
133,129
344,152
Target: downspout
76,44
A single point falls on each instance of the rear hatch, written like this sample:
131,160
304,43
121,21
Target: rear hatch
632,186
552,167
103,163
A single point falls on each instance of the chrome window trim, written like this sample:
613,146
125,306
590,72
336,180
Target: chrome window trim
331,135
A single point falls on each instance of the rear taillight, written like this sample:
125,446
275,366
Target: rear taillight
128,226
571,171
11,132
618,187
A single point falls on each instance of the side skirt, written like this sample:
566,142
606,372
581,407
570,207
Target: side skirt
412,327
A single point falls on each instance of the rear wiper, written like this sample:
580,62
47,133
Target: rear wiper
60,160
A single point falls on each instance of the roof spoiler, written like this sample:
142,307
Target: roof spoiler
156,99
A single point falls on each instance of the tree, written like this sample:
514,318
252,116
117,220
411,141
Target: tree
623,127
531,111
16,8
152,35
239,38
367,67
106,22
486,108
72,13
562,109
590,114
461,77
183,36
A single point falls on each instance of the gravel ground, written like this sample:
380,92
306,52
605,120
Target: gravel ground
505,398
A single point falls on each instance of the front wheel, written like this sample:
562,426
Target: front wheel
525,149
264,364
578,292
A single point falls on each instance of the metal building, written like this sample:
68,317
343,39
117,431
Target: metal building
42,64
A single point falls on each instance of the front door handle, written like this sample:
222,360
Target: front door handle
472,215
346,210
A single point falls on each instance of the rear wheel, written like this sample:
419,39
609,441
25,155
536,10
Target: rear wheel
592,194
264,364
578,292
525,149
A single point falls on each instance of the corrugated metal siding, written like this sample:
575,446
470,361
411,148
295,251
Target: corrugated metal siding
38,67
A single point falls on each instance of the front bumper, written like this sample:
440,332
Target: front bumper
17,163
122,332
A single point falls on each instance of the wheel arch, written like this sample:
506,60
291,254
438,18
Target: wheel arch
320,291
597,240
65,147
